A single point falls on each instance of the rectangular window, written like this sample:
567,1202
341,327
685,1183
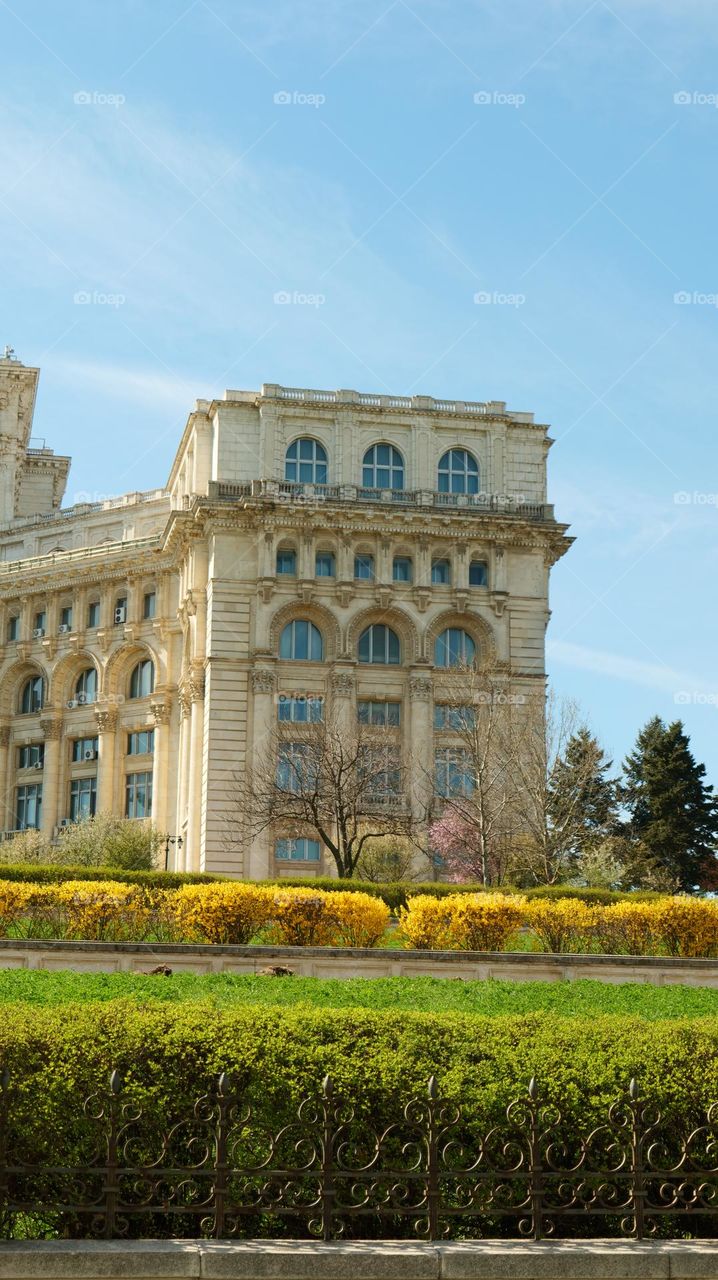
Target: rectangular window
453,772
380,772
456,718
84,749
66,618
287,562
28,807
13,628
301,850
141,743
138,795
478,573
382,713
296,768
32,756
402,569
301,708
441,573
40,621
93,614
364,567
148,605
83,796
324,567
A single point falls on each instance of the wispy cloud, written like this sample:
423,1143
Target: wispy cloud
616,666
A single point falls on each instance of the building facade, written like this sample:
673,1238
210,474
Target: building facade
309,545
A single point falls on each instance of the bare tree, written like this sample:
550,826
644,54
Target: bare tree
344,782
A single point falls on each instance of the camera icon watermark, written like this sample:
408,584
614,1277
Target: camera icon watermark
285,298
694,297
695,499
93,98
695,698
296,98
694,98
494,298
85,298
497,98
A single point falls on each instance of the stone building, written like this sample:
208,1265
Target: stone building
324,543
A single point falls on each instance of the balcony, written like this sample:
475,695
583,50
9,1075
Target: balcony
288,491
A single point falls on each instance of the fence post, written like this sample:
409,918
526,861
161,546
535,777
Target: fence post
637,1170
535,1165
221,1166
327,1188
432,1168
111,1171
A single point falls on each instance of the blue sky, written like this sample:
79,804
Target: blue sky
146,164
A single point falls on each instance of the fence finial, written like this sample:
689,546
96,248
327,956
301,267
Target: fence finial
533,1089
327,1087
633,1089
115,1082
433,1088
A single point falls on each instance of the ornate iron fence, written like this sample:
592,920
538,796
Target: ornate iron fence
430,1173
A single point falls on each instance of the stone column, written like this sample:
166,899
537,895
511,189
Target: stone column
161,711
7,774
264,715
52,731
194,688
185,707
420,739
343,709
106,721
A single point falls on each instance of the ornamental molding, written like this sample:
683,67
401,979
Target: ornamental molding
4,735
342,684
262,680
192,685
420,688
106,719
51,729
161,711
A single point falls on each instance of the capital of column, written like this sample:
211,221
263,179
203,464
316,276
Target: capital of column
51,729
262,680
342,684
191,686
161,711
420,688
106,719
4,735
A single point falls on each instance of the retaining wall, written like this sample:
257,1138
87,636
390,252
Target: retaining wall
387,1260
341,962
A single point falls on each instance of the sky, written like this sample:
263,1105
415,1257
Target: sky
168,167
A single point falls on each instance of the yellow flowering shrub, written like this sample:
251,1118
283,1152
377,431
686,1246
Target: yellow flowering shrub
360,919
303,918
686,926
484,921
425,923
14,899
223,913
101,910
626,928
561,924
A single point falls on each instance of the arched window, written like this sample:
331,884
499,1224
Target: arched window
86,686
454,648
301,641
306,461
458,472
379,644
142,680
32,695
383,468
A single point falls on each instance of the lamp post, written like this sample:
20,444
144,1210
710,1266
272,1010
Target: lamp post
168,841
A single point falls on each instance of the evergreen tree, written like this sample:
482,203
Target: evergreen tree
582,799
672,812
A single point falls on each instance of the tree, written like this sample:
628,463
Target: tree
671,810
582,798
343,782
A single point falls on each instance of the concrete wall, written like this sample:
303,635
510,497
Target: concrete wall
339,962
359,1260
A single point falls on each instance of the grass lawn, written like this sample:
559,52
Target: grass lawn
490,998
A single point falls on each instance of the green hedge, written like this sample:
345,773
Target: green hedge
394,895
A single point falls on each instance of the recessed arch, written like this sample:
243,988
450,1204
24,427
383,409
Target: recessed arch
322,618
120,665
399,622
66,671
479,630
12,682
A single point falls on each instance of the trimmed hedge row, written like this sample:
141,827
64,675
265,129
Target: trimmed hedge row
395,895
166,1057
